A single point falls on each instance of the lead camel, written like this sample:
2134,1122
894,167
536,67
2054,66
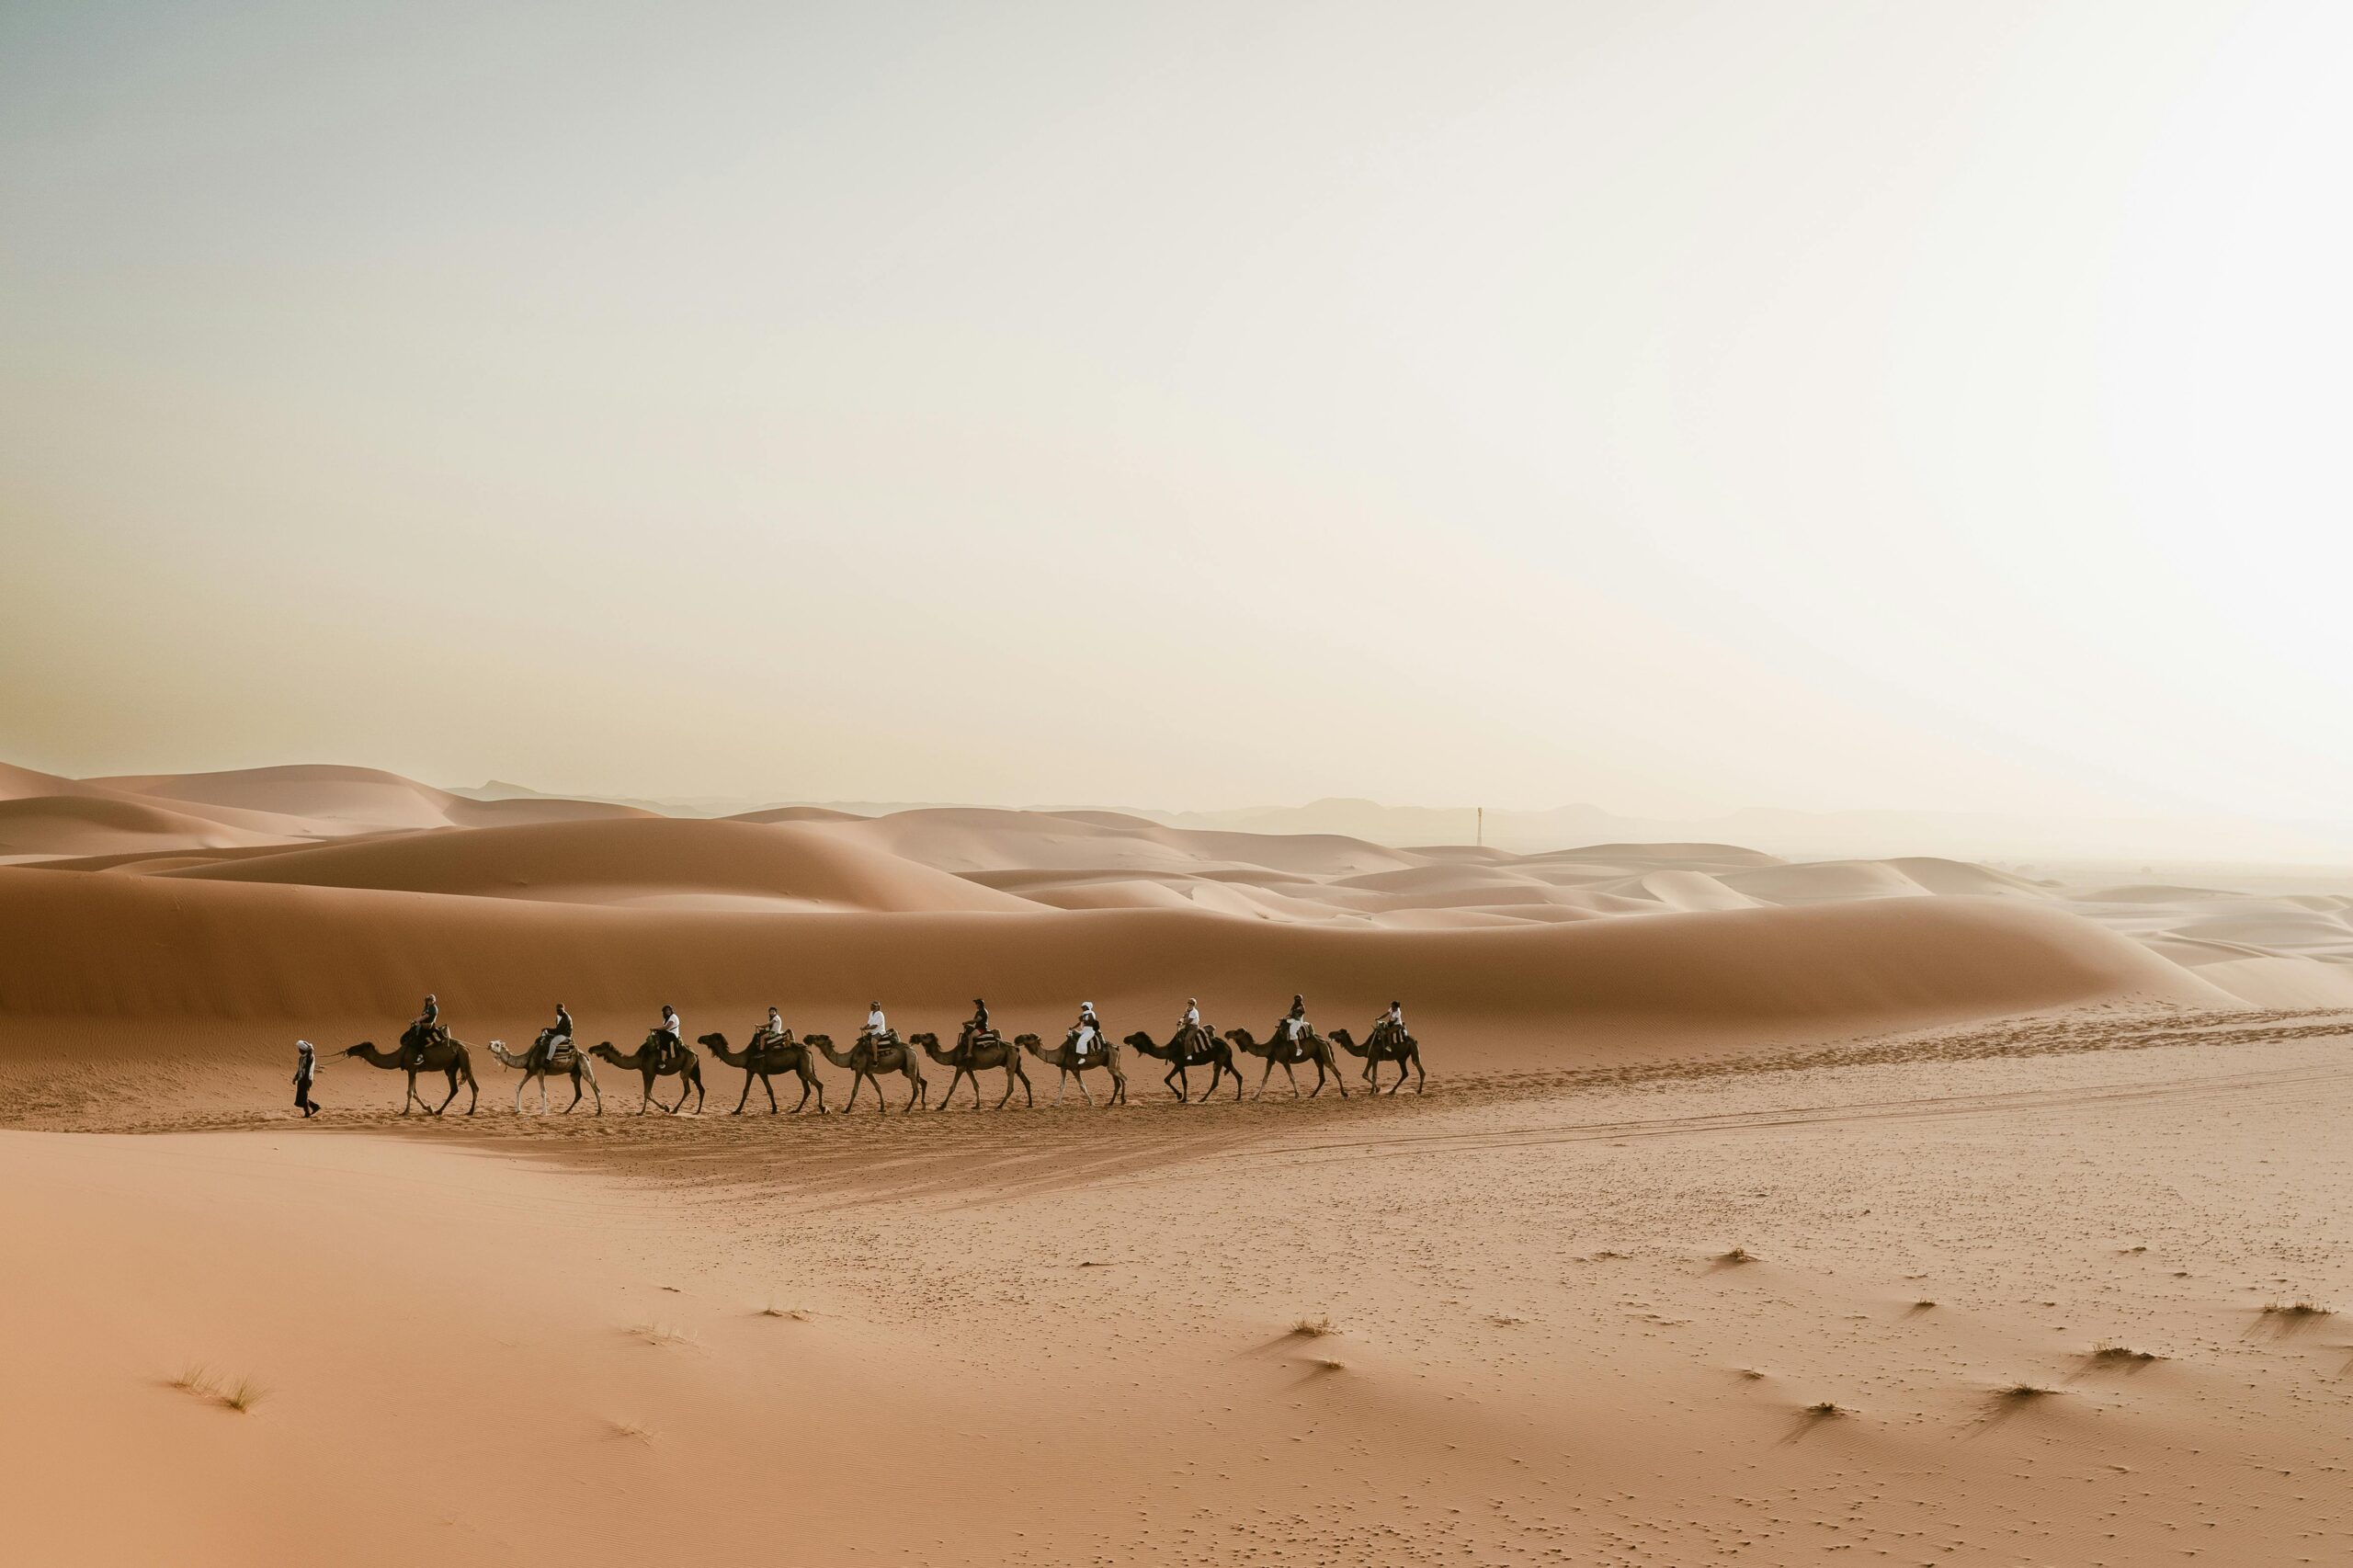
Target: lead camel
443,1052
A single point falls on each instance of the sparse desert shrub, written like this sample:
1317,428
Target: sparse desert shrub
2108,1354
1313,1328
2022,1393
1826,1409
243,1395
2296,1310
1737,1255
662,1333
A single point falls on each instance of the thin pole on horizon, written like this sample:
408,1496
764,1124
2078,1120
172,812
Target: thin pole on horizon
1483,827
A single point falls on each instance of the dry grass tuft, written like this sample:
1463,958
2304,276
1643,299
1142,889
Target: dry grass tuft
798,1314
1325,1364
240,1396
2297,1309
662,1333
1504,1320
1737,1255
631,1429
2108,1354
2020,1393
1826,1409
1313,1328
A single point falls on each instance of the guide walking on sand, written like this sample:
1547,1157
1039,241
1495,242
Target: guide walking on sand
306,1067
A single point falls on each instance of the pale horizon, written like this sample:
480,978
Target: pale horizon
1819,407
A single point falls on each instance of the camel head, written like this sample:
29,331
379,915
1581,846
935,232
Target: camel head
712,1041
1342,1039
1028,1042
1240,1039
361,1050
1139,1041
822,1041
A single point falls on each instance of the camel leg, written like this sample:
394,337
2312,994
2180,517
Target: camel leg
1118,1085
1060,1084
919,1090
855,1079
744,1096
521,1085
1176,1076
1082,1089
1265,1073
1294,1080
767,1087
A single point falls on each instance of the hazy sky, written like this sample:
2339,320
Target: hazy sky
1669,405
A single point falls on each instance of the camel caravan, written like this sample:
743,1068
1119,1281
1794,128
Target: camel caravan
429,1049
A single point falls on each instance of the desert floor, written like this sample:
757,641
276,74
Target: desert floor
2005,1294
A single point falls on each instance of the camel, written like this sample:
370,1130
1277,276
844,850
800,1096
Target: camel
1071,1067
1191,1046
445,1052
970,1057
1380,1048
538,1067
764,1055
1311,1046
641,1062
867,1061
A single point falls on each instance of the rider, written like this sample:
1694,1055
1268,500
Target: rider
423,1024
677,1045
775,1026
559,1035
1087,1031
878,1028
1191,1023
978,1028
1295,1021
1394,1023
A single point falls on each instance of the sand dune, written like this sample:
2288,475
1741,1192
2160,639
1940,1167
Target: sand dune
208,947
355,799
379,830
622,861
57,827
